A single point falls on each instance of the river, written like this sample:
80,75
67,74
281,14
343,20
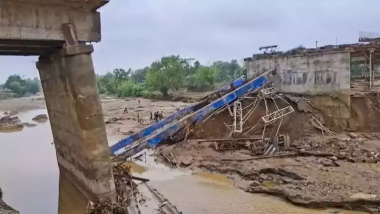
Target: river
31,182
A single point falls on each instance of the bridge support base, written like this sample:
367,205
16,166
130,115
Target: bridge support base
83,155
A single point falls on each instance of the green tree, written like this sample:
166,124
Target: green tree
121,74
34,87
14,78
167,73
16,88
108,83
227,71
203,78
139,75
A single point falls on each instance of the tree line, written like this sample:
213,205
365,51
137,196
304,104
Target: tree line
21,86
170,73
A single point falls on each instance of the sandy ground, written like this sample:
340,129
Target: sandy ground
118,123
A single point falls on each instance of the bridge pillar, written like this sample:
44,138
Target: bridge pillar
83,155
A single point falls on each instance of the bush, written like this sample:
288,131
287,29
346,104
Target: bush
130,89
151,94
102,89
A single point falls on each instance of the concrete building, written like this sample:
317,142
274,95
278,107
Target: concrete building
329,70
58,32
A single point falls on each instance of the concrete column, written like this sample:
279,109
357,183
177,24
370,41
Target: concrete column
71,94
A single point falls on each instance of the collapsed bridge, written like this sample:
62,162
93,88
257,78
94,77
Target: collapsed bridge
166,128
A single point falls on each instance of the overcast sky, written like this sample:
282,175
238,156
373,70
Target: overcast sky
137,32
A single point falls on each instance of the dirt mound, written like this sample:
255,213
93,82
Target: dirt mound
295,124
363,118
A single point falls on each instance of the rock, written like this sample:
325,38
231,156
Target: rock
326,162
8,120
336,163
303,105
129,132
360,140
363,196
334,158
353,135
255,184
40,118
342,145
185,161
286,180
346,139
263,177
351,160
29,125
343,154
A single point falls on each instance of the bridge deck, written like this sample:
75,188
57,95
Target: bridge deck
35,27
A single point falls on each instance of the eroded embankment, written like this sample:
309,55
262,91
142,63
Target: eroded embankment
316,170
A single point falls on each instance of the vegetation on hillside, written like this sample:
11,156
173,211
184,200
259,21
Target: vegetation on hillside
21,86
170,73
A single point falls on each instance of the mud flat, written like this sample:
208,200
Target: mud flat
316,170
120,124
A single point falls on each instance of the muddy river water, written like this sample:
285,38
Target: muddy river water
32,184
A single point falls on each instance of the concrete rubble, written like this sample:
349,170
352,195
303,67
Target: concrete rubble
125,189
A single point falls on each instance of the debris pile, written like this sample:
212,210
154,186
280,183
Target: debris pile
350,149
124,190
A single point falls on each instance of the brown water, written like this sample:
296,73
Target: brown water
31,183
29,175
206,193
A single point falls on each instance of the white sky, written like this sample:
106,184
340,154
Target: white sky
135,33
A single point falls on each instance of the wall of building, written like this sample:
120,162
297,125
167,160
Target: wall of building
307,74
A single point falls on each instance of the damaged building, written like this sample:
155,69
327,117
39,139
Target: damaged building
338,71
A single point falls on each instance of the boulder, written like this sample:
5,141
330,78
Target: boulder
40,118
7,120
185,161
353,135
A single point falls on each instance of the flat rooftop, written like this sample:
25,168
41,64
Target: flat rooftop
354,47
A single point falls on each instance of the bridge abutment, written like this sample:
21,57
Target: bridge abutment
69,84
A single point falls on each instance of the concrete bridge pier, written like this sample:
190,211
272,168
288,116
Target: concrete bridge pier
69,84
57,31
